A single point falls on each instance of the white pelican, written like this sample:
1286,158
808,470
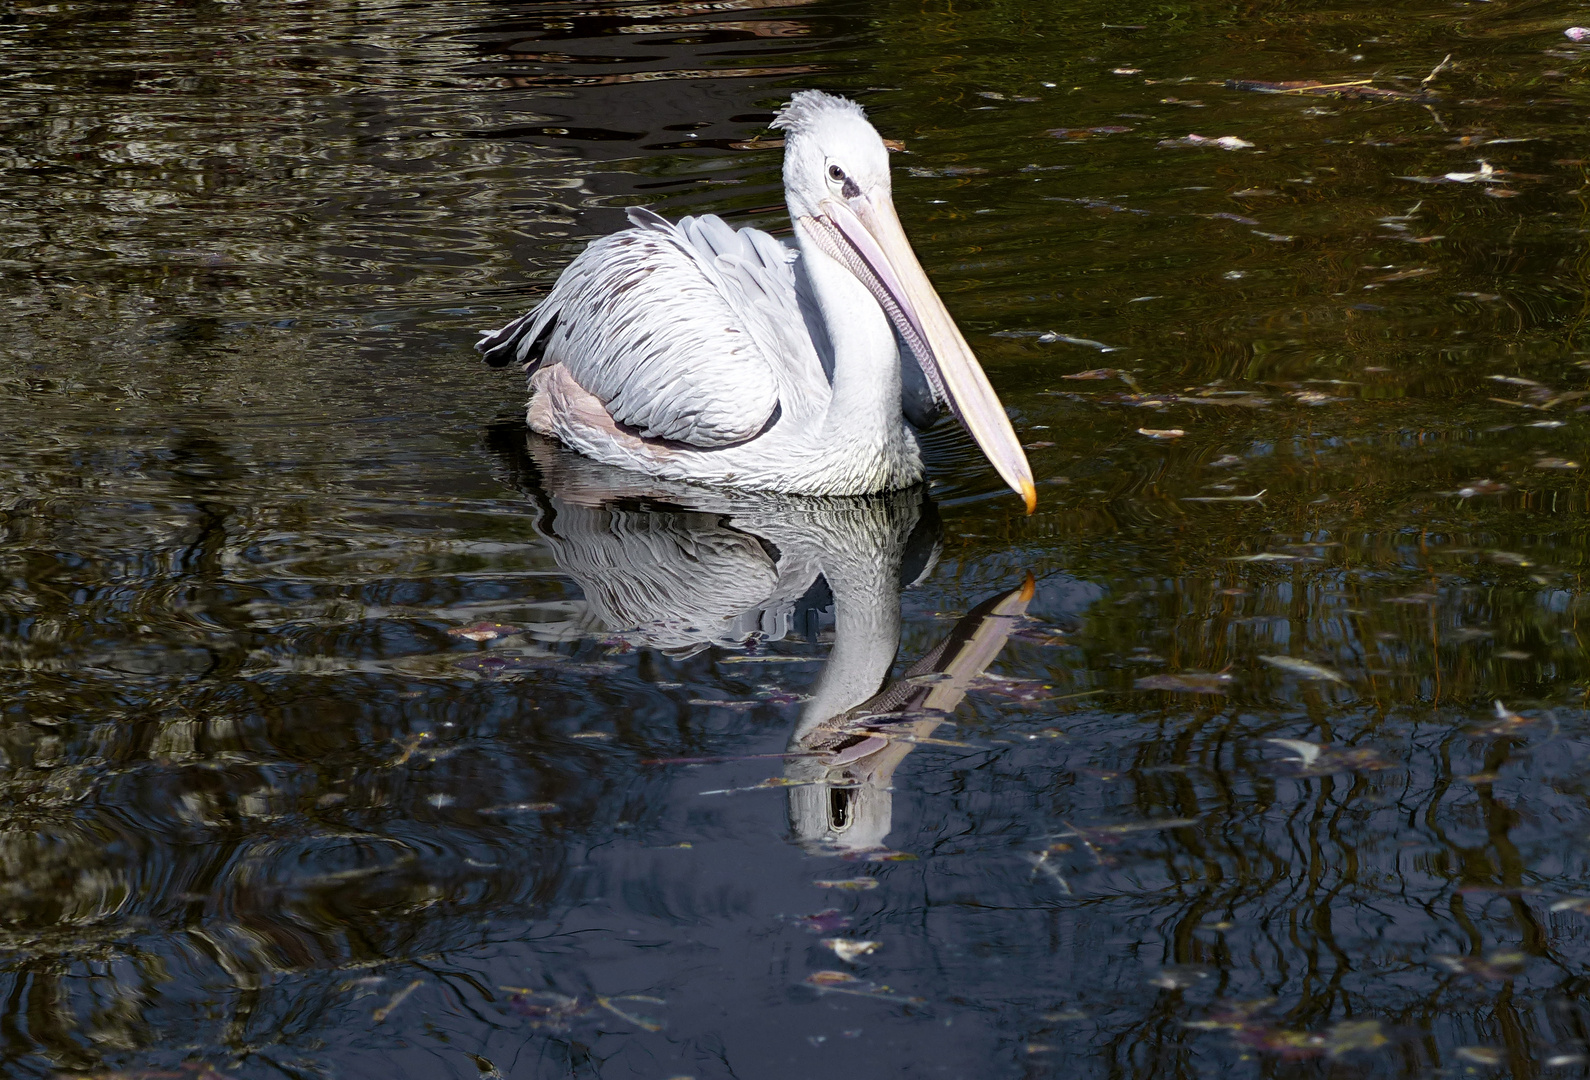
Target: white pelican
692,351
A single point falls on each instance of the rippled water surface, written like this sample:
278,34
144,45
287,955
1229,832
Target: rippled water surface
350,733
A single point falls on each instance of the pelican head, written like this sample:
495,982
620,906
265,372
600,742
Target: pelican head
836,179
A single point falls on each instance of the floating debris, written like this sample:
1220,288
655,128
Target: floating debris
1265,1035
1161,433
1179,976
1481,1055
483,631
1022,691
1577,33
1228,499
1041,864
1042,635
1555,463
847,949
1480,487
769,659
1402,275
1050,336
825,922
1350,89
642,1022
524,808
860,884
1075,134
1193,682
1110,834
1303,669
1507,722
397,999
1224,142
1485,174
842,982
1323,759
555,1012
1496,966
883,855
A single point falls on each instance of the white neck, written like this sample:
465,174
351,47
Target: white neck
866,400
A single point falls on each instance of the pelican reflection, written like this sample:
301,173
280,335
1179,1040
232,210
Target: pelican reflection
680,568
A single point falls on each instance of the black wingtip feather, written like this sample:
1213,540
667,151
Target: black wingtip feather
503,347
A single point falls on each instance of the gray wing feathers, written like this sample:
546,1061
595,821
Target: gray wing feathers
675,328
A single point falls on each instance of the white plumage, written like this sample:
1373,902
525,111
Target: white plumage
694,351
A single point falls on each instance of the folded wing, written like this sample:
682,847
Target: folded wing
688,332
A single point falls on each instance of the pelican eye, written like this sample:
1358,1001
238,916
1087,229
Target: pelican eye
836,174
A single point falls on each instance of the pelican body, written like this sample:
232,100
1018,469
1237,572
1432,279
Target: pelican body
694,351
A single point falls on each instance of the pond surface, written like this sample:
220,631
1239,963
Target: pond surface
349,733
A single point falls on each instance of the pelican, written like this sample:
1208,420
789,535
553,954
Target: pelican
694,351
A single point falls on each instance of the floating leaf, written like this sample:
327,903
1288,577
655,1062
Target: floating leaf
1307,753
1179,976
1285,1042
1481,1055
1161,433
1321,759
483,631
888,856
1497,966
861,884
1233,499
825,922
545,1009
524,808
1506,722
1074,134
830,978
1266,556
1224,142
1303,669
848,949
1193,682
1050,337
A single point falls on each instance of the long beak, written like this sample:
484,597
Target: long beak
864,234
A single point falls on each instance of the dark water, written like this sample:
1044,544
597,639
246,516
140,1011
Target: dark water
265,813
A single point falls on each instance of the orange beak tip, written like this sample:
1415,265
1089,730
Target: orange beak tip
1029,495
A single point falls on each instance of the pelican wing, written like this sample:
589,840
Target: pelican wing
689,332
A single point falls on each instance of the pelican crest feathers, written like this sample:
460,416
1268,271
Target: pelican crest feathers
808,107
